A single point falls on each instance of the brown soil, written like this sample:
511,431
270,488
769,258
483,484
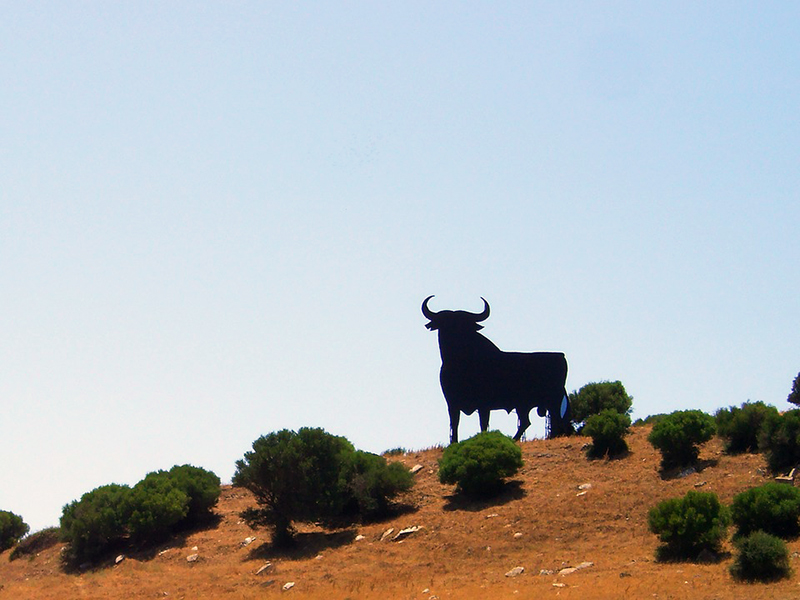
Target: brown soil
542,522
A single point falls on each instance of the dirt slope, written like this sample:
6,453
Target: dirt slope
543,522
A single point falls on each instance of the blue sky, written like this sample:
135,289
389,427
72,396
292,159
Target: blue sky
219,220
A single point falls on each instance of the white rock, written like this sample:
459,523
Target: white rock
288,585
404,533
416,469
247,541
266,567
119,559
517,535
360,537
192,558
387,533
515,571
585,486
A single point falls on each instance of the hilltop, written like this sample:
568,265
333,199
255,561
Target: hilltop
543,522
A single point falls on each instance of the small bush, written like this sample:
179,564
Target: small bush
780,440
761,557
294,477
156,506
593,398
36,542
371,483
740,427
12,528
479,464
607,430
200,486
96,522
689,525
772,507
678,435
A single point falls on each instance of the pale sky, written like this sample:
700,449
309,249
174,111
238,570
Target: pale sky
218,220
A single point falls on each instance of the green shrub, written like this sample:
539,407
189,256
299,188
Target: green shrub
201,487
12,529
371,482
780,440
740,427
593,398
36,542
294,477
689,525
678,434
761,557
794,395
156,506
96,522
607,430
772,507
479,464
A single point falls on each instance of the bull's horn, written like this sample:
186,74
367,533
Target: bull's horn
427,312
485,314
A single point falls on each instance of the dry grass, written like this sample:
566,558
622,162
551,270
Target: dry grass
463,551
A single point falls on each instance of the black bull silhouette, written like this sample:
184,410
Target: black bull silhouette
477,375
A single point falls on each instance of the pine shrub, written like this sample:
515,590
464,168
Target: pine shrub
479,464
96,522
780,440
773,508
12,529
761,557
593,398
313,476
740,427
371,482
156,506
687,526
678,434
607,430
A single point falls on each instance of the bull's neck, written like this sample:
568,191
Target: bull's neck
468,346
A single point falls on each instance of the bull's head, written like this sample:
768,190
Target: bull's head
454,320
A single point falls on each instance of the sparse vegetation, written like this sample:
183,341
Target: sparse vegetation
740,427
479,465
649,420
761,557
36,542
607,430
678,436
780,439
311,476
12,528
772,507
593,398
689,525
399,451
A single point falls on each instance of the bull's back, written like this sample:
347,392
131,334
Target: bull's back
506,381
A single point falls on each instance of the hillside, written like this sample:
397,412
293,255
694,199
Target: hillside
543,522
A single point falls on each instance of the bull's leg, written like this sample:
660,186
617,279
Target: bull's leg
455,415
524,423
484,416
